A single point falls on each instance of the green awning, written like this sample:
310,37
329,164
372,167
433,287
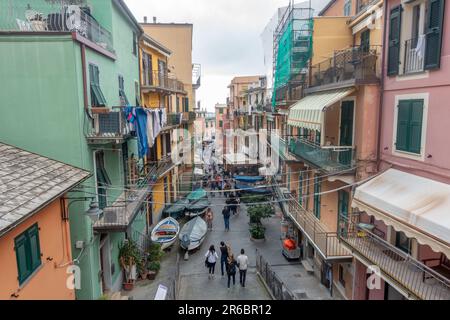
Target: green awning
308,112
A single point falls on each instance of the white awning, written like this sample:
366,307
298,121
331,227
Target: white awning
238,158
308,112
417,206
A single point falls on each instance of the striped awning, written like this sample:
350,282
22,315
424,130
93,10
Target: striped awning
308,112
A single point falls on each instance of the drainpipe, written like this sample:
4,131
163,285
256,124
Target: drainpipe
380,111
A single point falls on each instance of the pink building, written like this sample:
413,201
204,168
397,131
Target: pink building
401,218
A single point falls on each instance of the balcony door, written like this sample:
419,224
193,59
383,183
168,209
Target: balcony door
346,130
343,202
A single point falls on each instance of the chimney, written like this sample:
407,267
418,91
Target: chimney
145,19
154,19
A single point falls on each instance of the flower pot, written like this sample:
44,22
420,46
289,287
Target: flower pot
128,286
151,275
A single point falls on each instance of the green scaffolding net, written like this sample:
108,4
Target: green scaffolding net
292,50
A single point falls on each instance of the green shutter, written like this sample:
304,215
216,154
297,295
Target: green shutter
395,20
402,125
435,20
415,126
317,197
23,261
35,251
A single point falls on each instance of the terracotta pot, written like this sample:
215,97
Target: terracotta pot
151,275
128,286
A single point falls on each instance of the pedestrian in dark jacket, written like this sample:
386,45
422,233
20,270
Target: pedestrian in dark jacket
231,270
223,257
226,217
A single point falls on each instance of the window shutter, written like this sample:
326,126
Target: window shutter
394,41
35,251
23,260
433,35
402,125
415,126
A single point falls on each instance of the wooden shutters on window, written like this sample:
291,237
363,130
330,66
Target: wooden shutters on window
122,95
365,41
434,25
409,126
97,97
393,60
28,253
317,197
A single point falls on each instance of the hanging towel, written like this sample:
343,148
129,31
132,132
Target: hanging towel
150,137
141,128
164,118
420,47
156,124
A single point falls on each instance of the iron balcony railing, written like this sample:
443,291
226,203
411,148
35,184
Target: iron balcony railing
356,63
414,55
328,158
109,126
418,280
55,16
174,119
362,5
158,80
327,242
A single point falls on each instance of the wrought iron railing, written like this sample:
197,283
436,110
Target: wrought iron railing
162,81
328,158
414,276
109,125
174,119
414,55
356,63
327,242
43,16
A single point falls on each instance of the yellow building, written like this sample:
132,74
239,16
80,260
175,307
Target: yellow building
158,88
178,37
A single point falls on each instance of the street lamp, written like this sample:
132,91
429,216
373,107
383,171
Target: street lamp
94,212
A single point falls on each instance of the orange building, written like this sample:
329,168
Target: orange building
35,250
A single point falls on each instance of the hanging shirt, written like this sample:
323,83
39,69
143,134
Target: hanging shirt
156,124
164,118
150,137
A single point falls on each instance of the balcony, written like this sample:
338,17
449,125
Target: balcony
44,17
173,120
109,127
415,278
326,242
349,67
414,57
189,117
196,76
328,158
156,81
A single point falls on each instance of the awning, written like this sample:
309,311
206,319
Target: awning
238,158
417,206
308,112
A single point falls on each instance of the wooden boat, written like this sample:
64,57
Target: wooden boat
166,232
193,233
177,209
245,188
197,208
196,195
250,179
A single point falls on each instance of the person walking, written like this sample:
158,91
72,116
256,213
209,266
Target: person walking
210,261
242,262
209,218
231,270
223,257
226,217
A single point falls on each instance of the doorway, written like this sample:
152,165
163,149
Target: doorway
346,131
105,263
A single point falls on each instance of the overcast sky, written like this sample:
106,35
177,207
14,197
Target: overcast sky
226,42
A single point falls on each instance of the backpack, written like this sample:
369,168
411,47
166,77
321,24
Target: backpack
232,267
226,212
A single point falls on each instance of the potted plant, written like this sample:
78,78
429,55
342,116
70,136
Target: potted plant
153,267
153,260
256,214
131,261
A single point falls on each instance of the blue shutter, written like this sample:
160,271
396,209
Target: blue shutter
415,126
402,125
435,20
395,20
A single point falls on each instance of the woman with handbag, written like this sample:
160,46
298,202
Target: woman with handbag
231,270
210,261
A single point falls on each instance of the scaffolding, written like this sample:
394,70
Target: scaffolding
292,52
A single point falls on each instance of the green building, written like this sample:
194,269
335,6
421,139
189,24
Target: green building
66,71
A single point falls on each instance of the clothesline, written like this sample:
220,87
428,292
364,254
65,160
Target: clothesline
148,124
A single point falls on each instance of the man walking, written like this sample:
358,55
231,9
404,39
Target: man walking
223,257
242,262
226,217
